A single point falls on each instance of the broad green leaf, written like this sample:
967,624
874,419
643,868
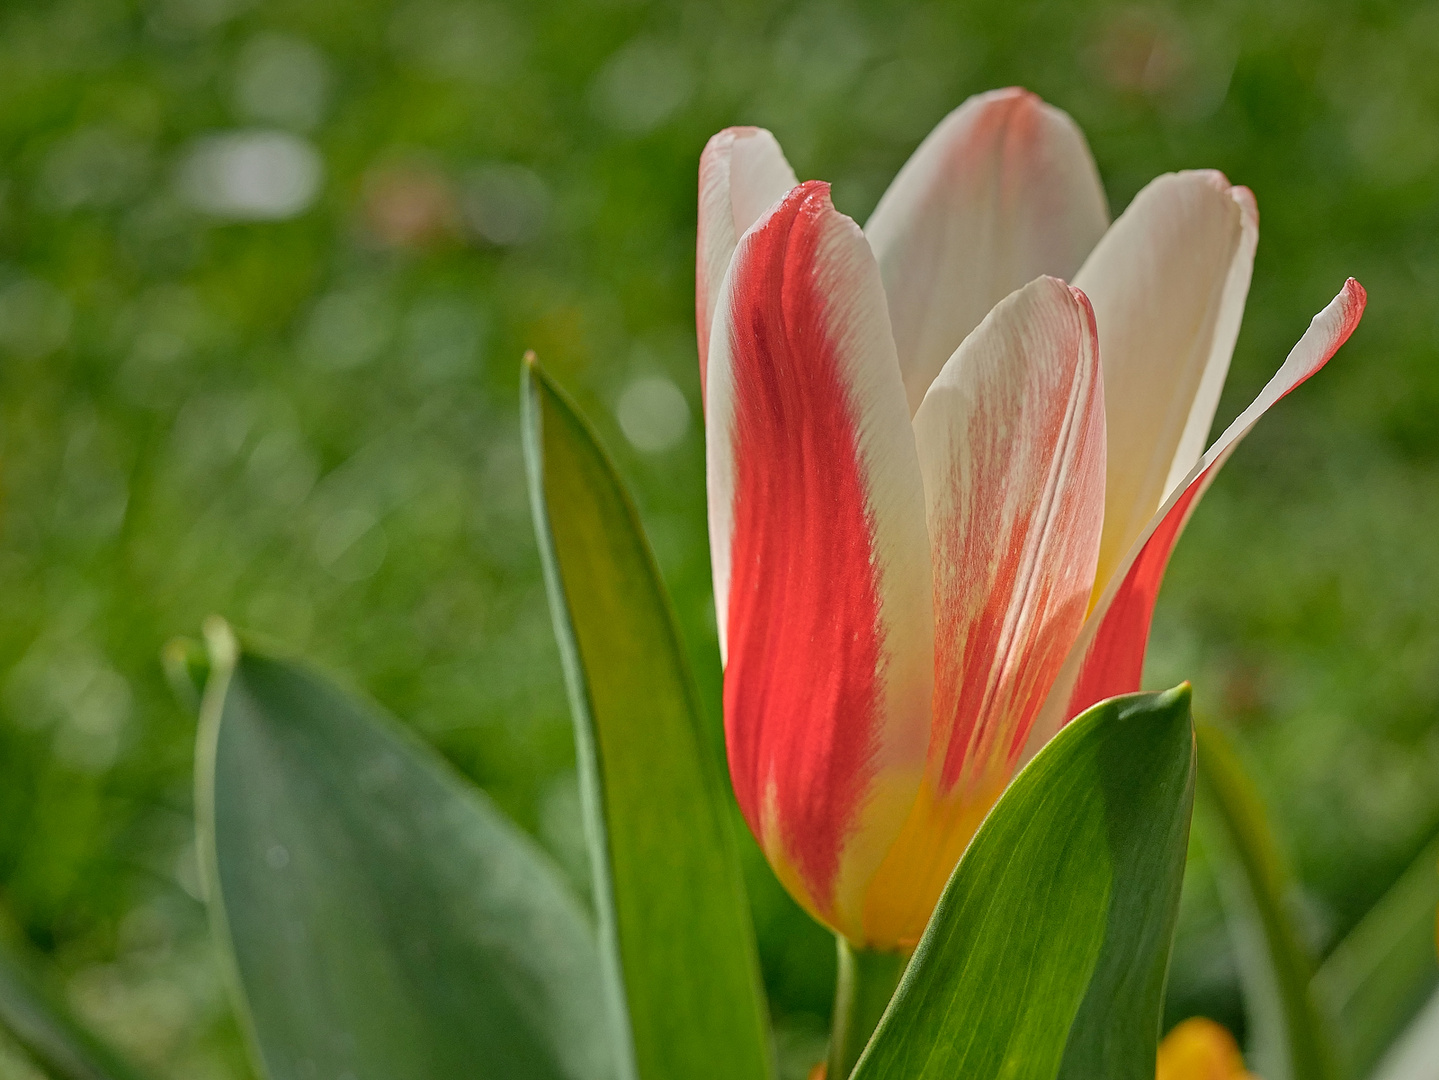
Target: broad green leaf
668,886
1378,978
1047,954
384,920
46,1031
1287,1035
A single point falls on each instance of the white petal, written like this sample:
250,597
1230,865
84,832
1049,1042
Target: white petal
743,172
1168,284
1011,444
1002,191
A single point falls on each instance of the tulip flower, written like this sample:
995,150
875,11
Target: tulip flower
1200,1049
948,456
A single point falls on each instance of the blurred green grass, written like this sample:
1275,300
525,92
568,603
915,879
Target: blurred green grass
308,423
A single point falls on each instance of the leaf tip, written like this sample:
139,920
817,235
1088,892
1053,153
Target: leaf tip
221,642
1180,699
536,388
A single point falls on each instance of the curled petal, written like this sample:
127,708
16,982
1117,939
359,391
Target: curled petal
1168,284
1108,658
743,172
1011,444
819,551
1002,191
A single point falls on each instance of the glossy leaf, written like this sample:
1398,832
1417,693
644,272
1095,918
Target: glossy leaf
1379,977
46,1031
668,885
1047,955
383,919
1288,1039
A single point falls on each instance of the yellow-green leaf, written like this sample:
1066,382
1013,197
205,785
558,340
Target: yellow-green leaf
668,885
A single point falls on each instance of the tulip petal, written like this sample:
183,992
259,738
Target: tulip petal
1011,444
743,172
820,554
1002,191
1168,284
1108,658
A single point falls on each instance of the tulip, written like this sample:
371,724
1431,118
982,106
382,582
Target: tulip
1200,1049
943,483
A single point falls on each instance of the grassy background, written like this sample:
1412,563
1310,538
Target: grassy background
309,424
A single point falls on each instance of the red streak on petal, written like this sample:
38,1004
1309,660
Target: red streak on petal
995,693
1023,566
802,686
1115,661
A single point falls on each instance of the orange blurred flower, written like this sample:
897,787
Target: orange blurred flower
1200,1049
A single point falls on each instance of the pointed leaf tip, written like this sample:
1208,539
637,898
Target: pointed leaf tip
1176,698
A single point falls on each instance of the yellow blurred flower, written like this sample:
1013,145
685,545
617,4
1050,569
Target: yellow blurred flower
1200,1049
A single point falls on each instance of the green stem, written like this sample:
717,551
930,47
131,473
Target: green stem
862,990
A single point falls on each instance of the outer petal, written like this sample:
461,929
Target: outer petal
1108,658
1002,191
1168,284
743,172
820,554
1011,444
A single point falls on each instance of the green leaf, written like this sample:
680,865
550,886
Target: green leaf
47,1032
1379,977
384,920
1047,954
668,885
1288,1037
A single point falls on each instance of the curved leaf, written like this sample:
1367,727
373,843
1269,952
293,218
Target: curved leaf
1379,977
1288,1037
668,885
1048,952
384,920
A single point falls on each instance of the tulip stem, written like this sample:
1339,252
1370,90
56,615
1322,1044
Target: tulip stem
864,984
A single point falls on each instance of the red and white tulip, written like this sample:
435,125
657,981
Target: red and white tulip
943,483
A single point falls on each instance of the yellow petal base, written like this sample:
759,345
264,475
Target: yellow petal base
902,894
